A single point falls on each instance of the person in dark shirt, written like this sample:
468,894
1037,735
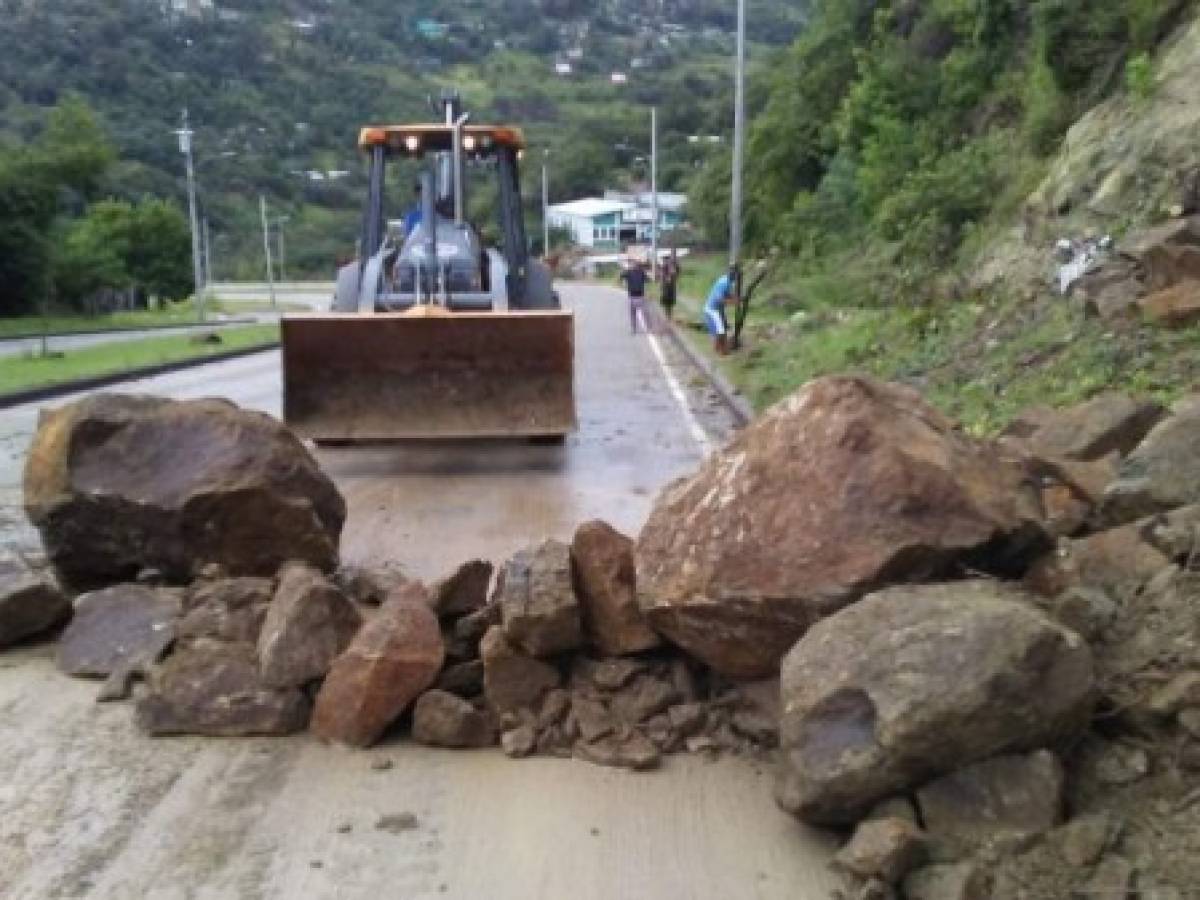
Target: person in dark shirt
670,285
634,277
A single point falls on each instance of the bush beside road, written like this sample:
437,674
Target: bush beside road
26,372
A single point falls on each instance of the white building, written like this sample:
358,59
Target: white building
616,219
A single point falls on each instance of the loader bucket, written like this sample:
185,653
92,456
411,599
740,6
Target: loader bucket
392,376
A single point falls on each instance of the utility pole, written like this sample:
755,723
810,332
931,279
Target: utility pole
282,257
739,138
262,208
185,147
545,204
654,192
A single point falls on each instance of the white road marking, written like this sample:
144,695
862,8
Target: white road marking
698,433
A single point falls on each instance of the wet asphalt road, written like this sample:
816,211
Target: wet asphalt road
89,807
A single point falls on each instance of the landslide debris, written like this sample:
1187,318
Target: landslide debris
993,698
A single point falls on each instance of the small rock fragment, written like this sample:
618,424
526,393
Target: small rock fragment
441,719
30,603
464,679
960,881
630,751
122,627
538,604
883,848
511,679
309,623
464,591
1082,841
398,823
519,742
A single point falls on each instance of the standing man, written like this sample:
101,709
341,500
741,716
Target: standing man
634,278
670,285
724,291
412,218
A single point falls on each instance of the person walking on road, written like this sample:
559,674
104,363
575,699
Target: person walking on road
670,285
634,277
724,291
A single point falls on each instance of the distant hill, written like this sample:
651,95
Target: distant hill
277,90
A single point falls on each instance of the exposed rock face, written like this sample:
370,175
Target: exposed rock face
541,614
1090,431
228,609
441,719
116,484
308,624
120,628
391,661
603,568
914,682
463,591
30,603
512,680
1014,795
847,486
211,688
1163,472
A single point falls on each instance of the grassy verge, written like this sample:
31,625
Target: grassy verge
25,372
981,361
172,314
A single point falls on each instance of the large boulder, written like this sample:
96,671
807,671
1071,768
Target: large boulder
1163,472
30,603
914,682
845,487
308,624
122,628
603,568
1091,430
119,483
537,600
213,688
391,661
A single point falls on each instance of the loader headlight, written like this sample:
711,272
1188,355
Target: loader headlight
412,143
469,142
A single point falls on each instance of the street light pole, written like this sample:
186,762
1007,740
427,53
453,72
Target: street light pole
739,138
185,147
207,262
262,208
545,204
282,257
654,192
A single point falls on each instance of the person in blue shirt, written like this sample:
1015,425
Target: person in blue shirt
724,290
413,217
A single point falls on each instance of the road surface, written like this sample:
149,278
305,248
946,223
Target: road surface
89,807
63,343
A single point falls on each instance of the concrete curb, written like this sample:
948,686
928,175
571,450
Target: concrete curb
731,396
37,335
49,392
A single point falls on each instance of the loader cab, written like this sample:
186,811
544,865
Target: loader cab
445,260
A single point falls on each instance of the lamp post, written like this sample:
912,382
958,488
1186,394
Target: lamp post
654,193
279,222
185,147
739,138
545,204
262,208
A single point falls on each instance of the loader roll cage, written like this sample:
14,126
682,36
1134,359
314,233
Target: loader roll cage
500,145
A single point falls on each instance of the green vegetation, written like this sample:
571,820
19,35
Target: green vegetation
276,93
896,140
168,314
24,372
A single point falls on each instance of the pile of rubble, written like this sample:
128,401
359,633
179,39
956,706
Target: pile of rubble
980,658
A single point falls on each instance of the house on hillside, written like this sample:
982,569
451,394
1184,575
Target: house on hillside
617,219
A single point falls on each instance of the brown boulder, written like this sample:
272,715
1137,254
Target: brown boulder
512,680
1163,473
1092,430
228,609
30,603
308,624
120,628
537,601
1113,560
1175,307
210,688
1168,253
1010,795
464,590
117,484
603,569
848,485
394,657
914,682
441,719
